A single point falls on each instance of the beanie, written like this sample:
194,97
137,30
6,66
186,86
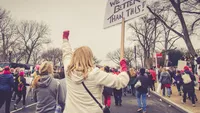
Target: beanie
7,68
21,73
186,68
37,67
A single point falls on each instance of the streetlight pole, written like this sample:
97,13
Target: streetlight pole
135,57
10,55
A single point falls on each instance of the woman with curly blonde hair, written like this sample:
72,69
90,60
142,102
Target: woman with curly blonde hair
47,89
82,74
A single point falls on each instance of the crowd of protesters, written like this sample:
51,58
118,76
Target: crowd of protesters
81,86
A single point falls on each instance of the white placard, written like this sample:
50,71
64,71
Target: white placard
181,65
127,9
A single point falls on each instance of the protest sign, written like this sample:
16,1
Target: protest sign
181,65
116,10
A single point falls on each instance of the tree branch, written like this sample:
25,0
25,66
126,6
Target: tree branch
191,12
159,18
193,24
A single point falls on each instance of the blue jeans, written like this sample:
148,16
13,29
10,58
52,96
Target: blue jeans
168,91
141,100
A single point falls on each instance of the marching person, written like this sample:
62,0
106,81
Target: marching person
141,90
132,75
60,77
85,82
153,74
117,92
47,89
188,85
15,76
21,89
35,76
165,80
179,81
6,85
107,92
150,82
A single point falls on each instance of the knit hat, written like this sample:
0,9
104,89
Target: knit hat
7,68
186,68
21,73
37,67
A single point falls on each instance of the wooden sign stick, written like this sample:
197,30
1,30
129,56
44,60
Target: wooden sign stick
122,38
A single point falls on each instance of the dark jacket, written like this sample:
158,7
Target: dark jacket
189,86
144,82
16,81
23,80
165,78
150,77
6,82
107,91
179,79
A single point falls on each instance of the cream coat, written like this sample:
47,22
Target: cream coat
78,100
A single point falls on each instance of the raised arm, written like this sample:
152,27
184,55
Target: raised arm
66,49
113,80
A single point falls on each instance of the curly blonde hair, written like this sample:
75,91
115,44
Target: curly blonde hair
82,61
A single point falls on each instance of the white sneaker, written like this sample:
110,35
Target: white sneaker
193,105
149,95
15,106
182,102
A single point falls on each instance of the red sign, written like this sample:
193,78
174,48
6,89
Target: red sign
159,55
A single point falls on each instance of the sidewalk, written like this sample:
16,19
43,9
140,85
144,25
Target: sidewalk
188,105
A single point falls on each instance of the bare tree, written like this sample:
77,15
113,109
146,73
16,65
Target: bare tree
183,9
144,34
36,57
140,54
128,55
198,52
169,38
54,55
96,61
17,52
7,33
33,35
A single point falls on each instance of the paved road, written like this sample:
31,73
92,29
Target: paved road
153,106
129,106
28,103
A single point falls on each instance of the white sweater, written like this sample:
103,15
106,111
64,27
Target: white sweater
78,100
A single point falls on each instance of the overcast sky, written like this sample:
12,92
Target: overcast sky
84,19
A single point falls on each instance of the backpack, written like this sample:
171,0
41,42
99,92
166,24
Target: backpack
20,85
186,78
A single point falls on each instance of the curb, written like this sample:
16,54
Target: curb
178,107
22,108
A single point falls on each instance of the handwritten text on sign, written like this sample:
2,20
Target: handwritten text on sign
118,9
